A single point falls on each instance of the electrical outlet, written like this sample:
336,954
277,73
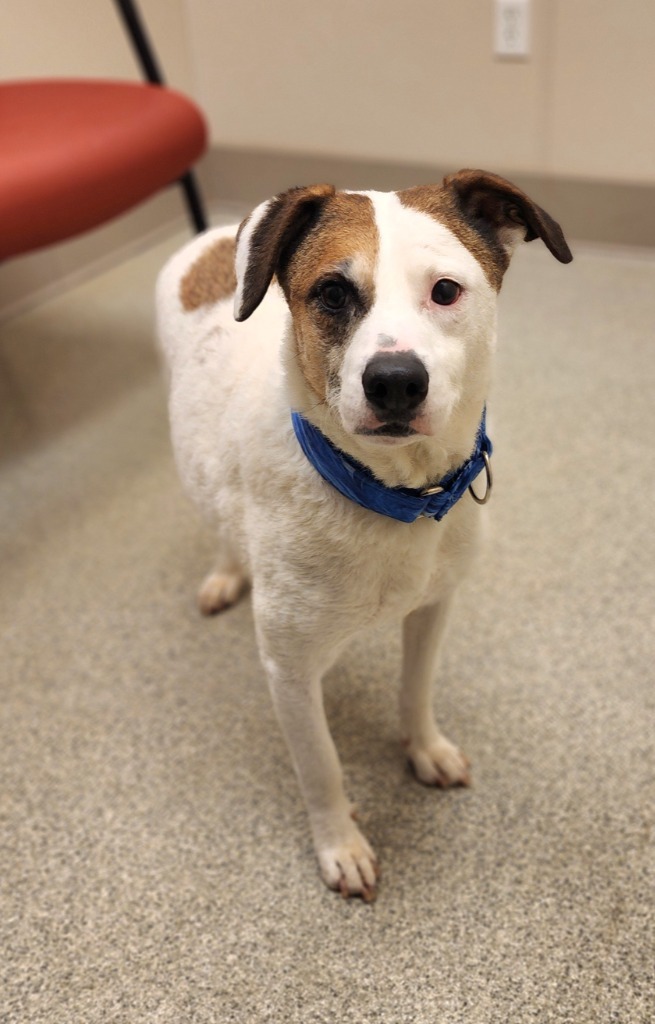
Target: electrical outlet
512,28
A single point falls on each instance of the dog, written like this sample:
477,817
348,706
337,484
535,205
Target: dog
329,365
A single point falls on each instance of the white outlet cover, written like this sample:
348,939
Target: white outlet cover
512,28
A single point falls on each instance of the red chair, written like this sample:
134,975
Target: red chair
75,153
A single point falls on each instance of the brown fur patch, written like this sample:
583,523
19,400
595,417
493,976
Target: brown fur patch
439,202
484,211
211,278
285,221
343,239
491,202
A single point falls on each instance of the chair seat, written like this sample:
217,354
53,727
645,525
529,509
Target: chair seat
75,153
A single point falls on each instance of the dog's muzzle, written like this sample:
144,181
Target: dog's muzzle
395,385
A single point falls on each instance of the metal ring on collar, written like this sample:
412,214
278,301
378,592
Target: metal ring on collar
490,482
431,490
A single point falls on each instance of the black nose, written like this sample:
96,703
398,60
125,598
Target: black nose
395,383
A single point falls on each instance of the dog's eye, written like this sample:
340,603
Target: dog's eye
445,292
333,295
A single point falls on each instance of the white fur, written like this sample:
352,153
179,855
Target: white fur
322,568
243,251
454,343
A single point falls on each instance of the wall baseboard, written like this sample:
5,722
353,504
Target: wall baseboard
611,213
592,211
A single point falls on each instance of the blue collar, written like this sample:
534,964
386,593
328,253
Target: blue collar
356,482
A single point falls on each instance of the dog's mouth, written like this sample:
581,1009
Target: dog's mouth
389,430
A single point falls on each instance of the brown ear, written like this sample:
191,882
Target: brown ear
267,238
490,203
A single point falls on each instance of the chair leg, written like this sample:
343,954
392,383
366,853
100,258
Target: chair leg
194,202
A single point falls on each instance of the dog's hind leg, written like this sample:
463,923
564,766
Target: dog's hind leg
436,761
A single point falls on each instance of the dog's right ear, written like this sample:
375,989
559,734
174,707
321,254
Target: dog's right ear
267,238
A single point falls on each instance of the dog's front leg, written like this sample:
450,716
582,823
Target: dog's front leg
346,860
435,759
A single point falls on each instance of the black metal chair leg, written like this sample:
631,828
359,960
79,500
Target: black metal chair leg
152,72
194,203
140,41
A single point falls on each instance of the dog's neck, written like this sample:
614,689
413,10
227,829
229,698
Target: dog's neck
418,464
405,505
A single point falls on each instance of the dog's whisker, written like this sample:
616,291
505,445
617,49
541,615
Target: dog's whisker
315,408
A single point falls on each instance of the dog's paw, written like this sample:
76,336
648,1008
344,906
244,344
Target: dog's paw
349,865
439,763
220,590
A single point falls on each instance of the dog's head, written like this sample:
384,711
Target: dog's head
392,295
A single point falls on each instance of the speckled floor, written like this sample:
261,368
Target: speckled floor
156,865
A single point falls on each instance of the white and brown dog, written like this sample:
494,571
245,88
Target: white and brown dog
372,317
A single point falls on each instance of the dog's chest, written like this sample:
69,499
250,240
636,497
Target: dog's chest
403,566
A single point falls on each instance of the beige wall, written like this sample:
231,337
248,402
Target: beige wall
416,81
411,82
86,37
602,95
394,81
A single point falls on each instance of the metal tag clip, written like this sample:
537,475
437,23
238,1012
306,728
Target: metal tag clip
490,482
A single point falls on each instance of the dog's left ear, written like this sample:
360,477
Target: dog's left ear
489,201
267,238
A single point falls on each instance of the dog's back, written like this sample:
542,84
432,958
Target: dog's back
218,369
